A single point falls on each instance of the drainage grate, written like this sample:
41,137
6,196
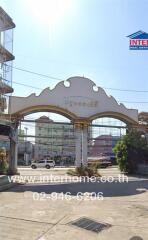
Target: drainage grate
136,238
90,225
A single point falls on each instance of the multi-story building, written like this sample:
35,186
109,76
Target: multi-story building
103,144
53,139
6,58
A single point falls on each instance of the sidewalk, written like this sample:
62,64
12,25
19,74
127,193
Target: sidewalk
23,218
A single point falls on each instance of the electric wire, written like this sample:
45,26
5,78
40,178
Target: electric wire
60,79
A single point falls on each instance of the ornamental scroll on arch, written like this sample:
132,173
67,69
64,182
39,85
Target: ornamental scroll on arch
78,96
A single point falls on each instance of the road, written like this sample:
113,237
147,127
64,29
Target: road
28,211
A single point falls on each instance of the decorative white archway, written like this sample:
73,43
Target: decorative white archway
78,99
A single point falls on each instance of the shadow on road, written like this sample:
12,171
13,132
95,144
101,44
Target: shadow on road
114,189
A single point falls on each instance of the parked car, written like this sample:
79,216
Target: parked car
43,164
105,164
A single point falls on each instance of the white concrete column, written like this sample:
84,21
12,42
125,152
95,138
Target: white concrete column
13,151
84,144
78,145
81,143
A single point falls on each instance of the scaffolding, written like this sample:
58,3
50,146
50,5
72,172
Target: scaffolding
6,59
54,140
105,133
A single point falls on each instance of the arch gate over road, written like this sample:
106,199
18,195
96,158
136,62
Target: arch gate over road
78,99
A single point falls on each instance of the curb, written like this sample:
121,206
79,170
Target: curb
7,186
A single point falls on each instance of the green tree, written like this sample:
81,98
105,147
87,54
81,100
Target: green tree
3,162
131,150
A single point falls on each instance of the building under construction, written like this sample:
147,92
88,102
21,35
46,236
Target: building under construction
6,58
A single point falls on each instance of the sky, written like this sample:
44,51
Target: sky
65,38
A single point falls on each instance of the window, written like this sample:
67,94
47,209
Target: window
49,161
42,161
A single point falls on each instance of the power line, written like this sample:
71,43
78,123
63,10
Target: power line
126,90
26,85
38,74
47,76
60,79
133,102
69,126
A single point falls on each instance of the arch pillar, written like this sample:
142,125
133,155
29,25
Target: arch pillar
81,142
78,144
85,144
13,157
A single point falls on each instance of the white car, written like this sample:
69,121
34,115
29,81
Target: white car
43,164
